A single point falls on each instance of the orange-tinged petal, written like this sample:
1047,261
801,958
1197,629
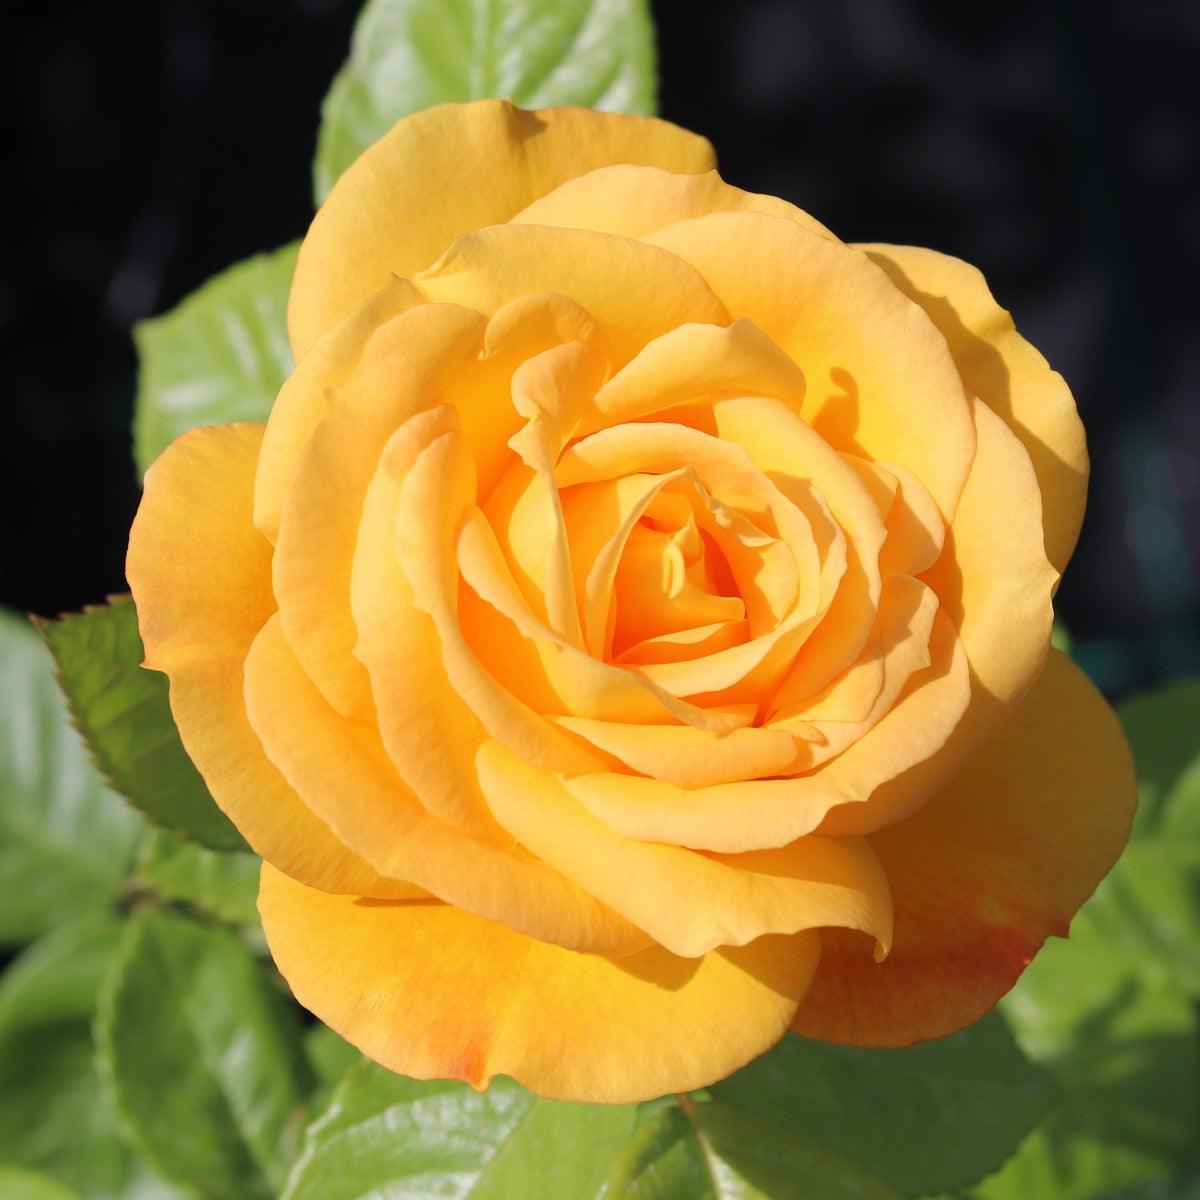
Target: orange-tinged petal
659,592
637,201
694,362
435,493
995,583
880,379
771,569
916,532
688,902
843,714
689,757
433,992
993,577
200,574
781,444
687,643
429,731
303,401
1000,859
550,391
764,813
1008,374
583,684
340,771
407,366
636,292
445,171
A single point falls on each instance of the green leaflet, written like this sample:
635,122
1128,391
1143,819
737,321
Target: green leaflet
65,839
123,712
54,1123
219,356
220,884
935,1117
385,1137
698,1150
804,1120
202,1056
411,54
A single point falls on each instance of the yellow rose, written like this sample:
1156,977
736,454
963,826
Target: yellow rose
628,639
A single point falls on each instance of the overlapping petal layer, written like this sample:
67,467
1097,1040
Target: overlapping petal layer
631,582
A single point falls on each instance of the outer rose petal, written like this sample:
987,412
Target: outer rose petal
690,903
433,992
200,574
637,201
881,381
995,583
981,875
446,171
340,770
1008,374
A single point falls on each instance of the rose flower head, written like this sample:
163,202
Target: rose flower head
629,637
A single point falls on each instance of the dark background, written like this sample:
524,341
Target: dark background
1051,143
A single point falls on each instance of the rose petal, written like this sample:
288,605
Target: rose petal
637,201
448,170
433,992
880,379
688,902
200,574
765,813
635,291
981,875
408,365
340,771
1008,374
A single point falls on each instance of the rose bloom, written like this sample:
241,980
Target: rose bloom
629,637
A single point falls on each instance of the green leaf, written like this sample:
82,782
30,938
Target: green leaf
1127,1062
16,1184
218,356
202,1056
65,839
329,1055
330,1058
220,884
697,1150
123,712
53,1117
407,55
385,1137
935,1117
1111,1010
1123,1044
1163,727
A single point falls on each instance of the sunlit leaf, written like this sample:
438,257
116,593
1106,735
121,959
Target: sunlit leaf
218,356
410,54
935,1117
384,1137
698,1150
122,710
202,1056
53,1117
65,840
219,883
